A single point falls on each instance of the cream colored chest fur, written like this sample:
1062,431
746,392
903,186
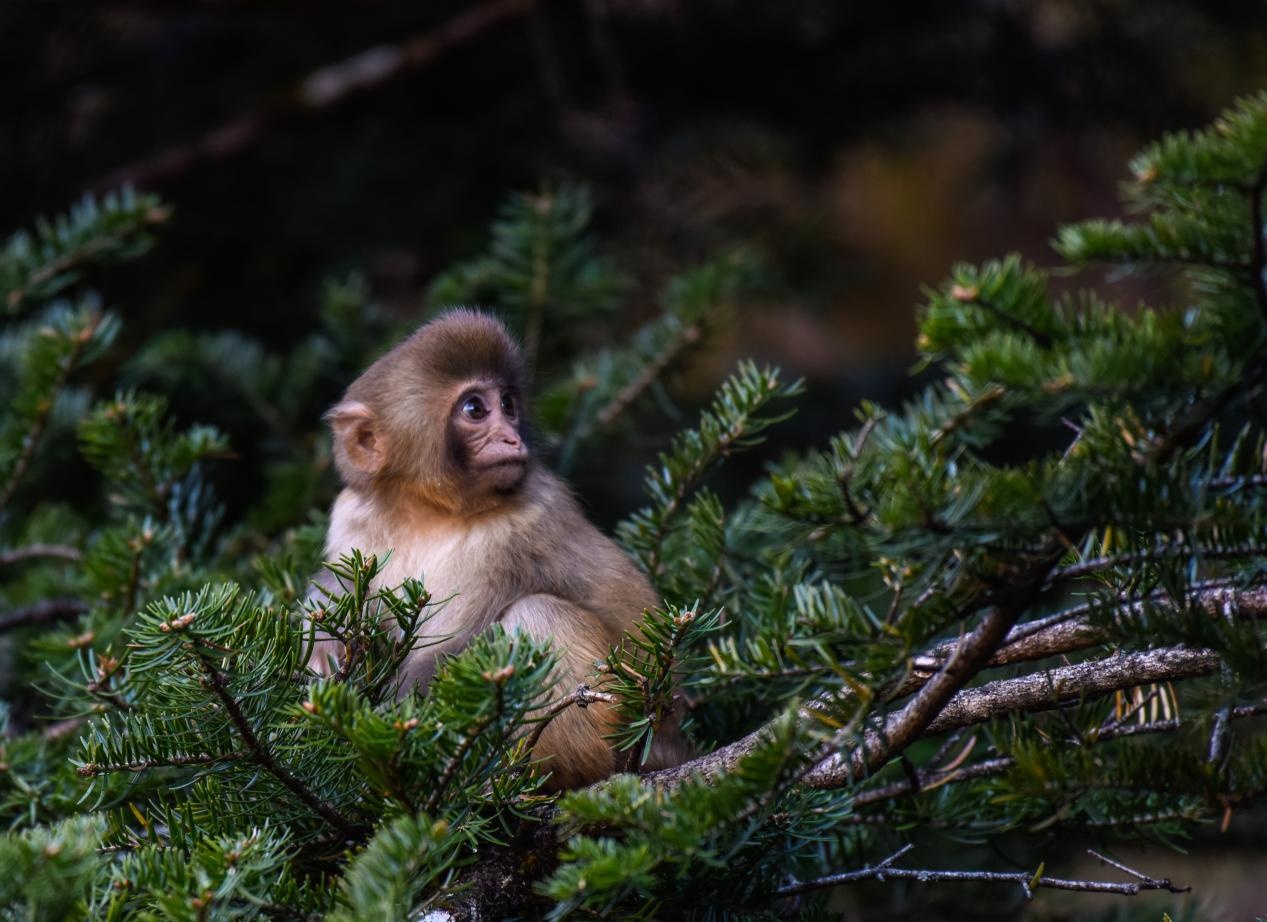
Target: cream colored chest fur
448,554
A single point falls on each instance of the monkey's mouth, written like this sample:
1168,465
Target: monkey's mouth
506,474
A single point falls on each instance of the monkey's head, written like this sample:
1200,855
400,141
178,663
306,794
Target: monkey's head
440,415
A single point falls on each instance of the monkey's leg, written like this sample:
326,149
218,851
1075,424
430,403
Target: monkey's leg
572,743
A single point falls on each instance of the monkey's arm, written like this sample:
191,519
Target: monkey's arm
573,741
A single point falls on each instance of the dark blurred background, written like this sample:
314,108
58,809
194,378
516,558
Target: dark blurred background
864,147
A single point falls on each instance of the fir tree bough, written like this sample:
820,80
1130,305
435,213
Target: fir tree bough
1020,613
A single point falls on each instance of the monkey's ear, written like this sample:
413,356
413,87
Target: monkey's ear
357,436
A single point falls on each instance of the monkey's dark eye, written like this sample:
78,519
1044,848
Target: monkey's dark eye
508,405
473,408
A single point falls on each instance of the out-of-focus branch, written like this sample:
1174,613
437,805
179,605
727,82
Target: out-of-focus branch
46,611
37,551
322,88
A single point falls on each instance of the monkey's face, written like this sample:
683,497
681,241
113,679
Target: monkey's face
485,437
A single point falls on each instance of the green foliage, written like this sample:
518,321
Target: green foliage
647,670
600,389
40,356
48,870
733,423
655,840
541,262
404,860
36,266
1089,474
269,399
134,444
246,876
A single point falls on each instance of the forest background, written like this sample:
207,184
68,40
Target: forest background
864,148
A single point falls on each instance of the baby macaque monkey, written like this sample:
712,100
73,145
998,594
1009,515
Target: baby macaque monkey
429,442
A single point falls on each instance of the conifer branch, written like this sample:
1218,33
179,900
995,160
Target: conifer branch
1093,565
922,711
627,395
1041,339
36,266
1039,691
36,434
473,733
264,756
936,777
91,769
1196,420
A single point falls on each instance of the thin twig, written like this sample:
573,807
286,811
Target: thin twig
39,551
90,769
634,389
582,697
1097,564
1041,339
989,767
929,703
856,515
1027,881
40,423
1199,416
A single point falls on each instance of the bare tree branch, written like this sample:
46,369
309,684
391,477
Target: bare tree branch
322,88
1026,881
37,551
1070,631
1042,691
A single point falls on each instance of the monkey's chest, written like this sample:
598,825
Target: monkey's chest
471,575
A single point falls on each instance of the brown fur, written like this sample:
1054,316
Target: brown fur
528,558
